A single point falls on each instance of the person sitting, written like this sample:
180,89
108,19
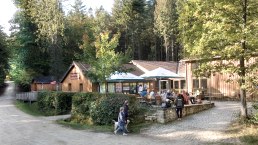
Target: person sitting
192,99
152,95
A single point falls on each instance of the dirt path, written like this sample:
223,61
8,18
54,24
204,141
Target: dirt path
18,128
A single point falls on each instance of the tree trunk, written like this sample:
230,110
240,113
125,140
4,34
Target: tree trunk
242,73
242,89
166,48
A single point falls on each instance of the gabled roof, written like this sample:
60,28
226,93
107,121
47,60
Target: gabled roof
146,66
82,66
85,67
44,79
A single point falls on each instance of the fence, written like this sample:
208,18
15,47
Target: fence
27,96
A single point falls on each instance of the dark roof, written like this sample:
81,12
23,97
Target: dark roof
82,66
44,79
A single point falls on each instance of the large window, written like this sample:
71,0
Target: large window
200,84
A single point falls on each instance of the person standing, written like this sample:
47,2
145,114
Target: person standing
186,97
179,106
121,121
126,110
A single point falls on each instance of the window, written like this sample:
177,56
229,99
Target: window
111,87
176,84
133,88
81,87
182,84
204,84
118,87
172,84
126,88
196,84
70,87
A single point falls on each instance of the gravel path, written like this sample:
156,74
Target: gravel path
207,127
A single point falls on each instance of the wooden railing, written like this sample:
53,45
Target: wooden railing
27,96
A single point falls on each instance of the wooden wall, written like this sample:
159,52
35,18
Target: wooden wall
41,87
75,77
217,83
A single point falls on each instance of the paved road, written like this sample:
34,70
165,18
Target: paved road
18,128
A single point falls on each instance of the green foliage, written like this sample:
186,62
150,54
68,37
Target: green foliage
166,26
82,105
99,109
30,108
107,61
54,103
220,35
4,54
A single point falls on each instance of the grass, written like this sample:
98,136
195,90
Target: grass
28,108
33,110
247,133
135,129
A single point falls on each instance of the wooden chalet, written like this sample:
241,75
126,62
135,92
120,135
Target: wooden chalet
75,80
44,83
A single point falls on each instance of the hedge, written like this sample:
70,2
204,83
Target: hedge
54,103
101,109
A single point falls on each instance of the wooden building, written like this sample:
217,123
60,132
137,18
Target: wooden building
164,84
217,85
44,83
75,80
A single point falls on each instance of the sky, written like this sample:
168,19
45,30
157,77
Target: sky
7,9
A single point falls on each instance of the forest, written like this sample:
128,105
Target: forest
45,39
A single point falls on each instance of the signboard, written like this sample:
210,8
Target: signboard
74,76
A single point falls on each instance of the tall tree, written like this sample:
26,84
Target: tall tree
129,20
166,26
77,28
48,16
28,56
3,56
225,30
106,61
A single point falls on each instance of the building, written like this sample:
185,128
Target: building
217,84
44,83
76,80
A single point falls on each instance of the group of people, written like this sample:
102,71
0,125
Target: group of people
123,119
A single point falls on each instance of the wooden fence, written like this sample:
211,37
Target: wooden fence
27,96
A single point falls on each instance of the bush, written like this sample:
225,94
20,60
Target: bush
101,109
55,103
82,103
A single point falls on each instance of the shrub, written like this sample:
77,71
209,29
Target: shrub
82,103
55,103
101,109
